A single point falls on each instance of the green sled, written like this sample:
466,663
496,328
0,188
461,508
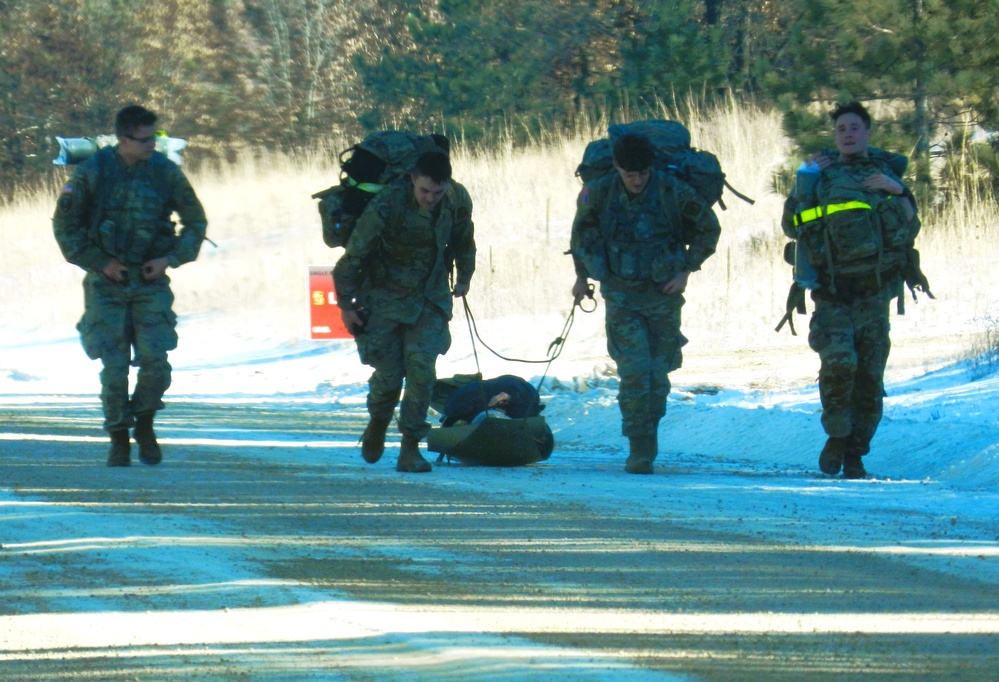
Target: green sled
494,441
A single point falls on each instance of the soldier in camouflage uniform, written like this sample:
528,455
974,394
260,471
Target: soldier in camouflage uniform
392,288
859,239
640,233
113,219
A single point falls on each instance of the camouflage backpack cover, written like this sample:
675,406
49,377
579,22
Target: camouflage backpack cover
671,140
365,169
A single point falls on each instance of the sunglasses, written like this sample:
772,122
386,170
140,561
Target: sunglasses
141,140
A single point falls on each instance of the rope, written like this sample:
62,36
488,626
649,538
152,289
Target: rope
554,348
472,334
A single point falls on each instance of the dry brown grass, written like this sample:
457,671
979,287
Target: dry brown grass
267,233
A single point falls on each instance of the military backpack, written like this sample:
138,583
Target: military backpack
365,169
848,230
841,229
671,140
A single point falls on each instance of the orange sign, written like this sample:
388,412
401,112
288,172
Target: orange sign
324,315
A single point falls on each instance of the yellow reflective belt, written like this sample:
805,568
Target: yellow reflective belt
371,187
820,211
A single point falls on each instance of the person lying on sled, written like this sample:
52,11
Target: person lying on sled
505,396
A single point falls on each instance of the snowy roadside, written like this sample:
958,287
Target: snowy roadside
740,458
736,477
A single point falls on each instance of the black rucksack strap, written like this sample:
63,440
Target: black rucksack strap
795,304
739,194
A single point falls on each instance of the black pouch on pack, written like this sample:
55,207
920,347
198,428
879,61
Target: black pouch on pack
363,166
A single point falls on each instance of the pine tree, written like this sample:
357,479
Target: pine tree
924,63
473,62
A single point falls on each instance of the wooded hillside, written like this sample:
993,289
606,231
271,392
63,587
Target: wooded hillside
292,73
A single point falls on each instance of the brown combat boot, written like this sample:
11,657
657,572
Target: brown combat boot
410,459
373,440
120,453
831,458
642,452
149,449
853,466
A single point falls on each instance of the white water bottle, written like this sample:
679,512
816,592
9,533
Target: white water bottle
804,193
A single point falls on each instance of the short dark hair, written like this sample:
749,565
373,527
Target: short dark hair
433,165
634,153
852,108
131,117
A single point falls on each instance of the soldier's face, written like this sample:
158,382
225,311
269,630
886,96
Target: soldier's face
427,192
851,135
138,145
634,181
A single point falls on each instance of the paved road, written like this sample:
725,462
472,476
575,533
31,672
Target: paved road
263,548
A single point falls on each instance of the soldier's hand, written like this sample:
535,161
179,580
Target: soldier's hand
677,285
459,290
352,321
883,183
154,269
115,271
580,289
823,161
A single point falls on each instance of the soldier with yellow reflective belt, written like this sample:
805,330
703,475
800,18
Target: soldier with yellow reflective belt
857,234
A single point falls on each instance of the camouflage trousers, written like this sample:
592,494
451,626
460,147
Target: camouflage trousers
644,340
404,353
116,319
853,345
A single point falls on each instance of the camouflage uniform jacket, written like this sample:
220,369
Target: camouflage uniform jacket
109,210
638,243
399,256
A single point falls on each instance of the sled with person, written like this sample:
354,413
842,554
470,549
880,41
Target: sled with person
485,422
489,422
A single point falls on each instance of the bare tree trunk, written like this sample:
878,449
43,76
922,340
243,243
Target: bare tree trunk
920,100
712,12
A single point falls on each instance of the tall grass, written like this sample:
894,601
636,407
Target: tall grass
267,232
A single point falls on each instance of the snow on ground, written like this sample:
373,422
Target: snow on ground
737,455
935,455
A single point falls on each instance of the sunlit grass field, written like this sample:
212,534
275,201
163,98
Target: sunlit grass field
266,232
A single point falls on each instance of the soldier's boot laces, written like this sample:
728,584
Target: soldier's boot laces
831,457
373,440
410,459
853,466
119,455
149,449
642,452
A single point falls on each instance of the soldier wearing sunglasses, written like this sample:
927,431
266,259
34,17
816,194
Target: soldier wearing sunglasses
113,219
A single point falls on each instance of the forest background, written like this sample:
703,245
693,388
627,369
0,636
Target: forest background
300,75
268,93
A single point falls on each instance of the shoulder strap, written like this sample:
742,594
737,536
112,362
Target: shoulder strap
671,198
103,189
